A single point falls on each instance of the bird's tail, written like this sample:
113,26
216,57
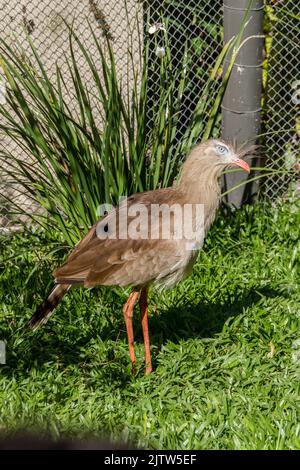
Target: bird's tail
46,308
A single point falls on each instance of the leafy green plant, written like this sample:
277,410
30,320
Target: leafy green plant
74,162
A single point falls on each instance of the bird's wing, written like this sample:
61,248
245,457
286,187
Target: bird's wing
122,261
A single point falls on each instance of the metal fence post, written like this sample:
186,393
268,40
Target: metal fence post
242,100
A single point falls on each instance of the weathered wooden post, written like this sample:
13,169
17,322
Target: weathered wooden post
242,100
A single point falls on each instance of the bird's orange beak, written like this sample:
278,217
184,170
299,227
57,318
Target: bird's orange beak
242,164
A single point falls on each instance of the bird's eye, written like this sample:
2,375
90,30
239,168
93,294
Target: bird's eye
221,149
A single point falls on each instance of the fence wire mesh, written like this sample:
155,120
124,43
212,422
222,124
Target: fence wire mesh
198,24
282,94
199,21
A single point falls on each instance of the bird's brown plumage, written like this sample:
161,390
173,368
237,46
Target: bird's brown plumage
128,261
139,262
142,261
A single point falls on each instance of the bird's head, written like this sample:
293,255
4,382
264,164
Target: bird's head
209,159
217,153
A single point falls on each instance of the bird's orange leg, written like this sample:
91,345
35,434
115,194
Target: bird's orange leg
144,311
128,314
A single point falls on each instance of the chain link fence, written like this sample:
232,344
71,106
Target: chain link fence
197,23
281,120
198,20
47,25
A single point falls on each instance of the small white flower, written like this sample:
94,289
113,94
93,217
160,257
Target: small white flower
152,29
160,52
296,97
156,27
296,84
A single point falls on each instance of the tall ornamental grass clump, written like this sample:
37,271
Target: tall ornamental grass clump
73,163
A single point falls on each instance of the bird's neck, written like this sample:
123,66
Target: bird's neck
200,187
203,188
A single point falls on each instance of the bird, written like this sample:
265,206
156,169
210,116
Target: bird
121,249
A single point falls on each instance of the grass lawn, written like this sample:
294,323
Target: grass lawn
225,343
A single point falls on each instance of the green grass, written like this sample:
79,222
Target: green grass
225,343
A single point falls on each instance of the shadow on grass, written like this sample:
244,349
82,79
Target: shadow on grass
205,319
51,345
202,320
